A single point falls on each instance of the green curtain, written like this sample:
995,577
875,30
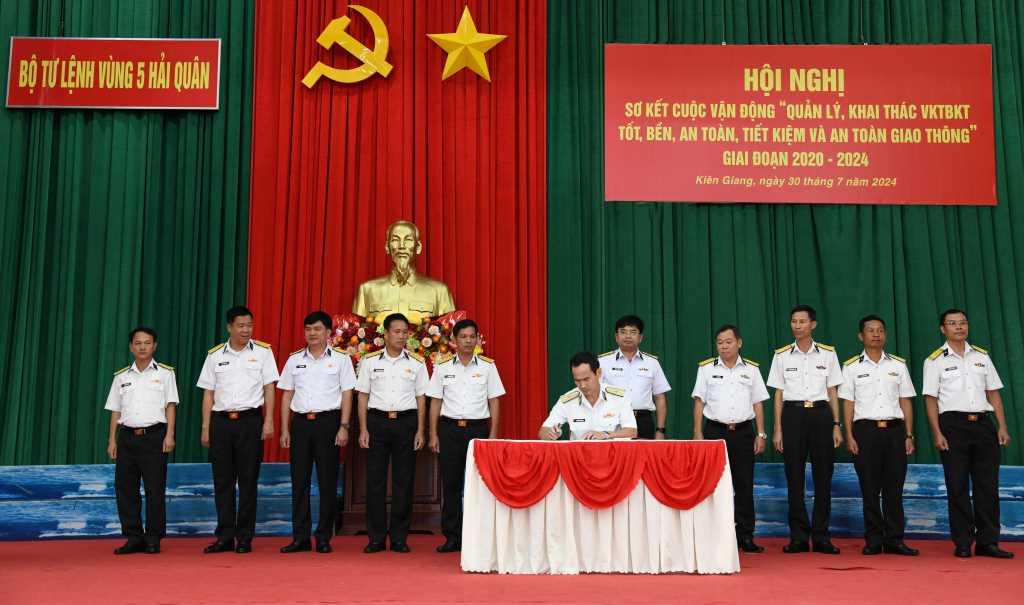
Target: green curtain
115,218
688,268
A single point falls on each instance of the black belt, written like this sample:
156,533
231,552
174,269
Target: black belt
968,416
142,430
236,414
643,412
464,422
315,415
882,424
821,403
390,415
728,427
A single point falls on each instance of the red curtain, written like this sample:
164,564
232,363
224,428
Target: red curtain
600,474
463,158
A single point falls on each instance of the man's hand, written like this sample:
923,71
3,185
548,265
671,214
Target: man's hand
910,445
341,439
758,446
697,434
112,450
204,437
268,429
417,442
168,444
286,439
364,438
597,435
837,436
777,440
551,432
851,444
940,442
1004,437
435,443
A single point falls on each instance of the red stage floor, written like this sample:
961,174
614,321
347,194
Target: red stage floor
85,571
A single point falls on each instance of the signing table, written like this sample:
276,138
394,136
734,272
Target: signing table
566,507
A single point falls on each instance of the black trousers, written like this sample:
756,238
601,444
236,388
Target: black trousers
881,466
644,424
236,452
313,442
391,441
141,457
973,456
454,441
808,432
740,446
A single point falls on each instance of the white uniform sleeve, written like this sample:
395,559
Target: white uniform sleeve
556,416
906,384
207,377
287,382
270,374
347,375
930,382
700,385
363,375
835,373
775,378
435,388
171,388
758,392
992,381
626,418
421,379
846,390
494,386
660,384
114,396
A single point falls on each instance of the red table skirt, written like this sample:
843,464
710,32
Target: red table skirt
599,474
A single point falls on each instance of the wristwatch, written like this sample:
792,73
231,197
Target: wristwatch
911,437
660,429
762,435
837,423
344,425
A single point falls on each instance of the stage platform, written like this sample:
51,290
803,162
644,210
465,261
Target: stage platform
84,572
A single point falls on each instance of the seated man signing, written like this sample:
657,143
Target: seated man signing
592,409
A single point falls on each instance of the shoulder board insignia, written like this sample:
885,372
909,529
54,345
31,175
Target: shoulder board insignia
752,362
606,354
615,391
935,354
783,349
122,370
826,347
654,357
261,343
445,359
416,356
898,358
485,358
337,350
374,354
215,349
299,351
165,366
851,360
979,349
706,362
570,396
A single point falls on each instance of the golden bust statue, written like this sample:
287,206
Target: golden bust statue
403,290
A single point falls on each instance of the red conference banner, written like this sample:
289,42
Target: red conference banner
800,124
114,73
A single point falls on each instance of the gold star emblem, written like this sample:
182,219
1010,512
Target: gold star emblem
466,47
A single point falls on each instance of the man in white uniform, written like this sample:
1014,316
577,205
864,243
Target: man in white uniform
592,410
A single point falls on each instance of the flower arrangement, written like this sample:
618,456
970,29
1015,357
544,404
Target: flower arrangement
432,338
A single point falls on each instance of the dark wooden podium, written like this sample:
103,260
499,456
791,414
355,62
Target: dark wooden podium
426,500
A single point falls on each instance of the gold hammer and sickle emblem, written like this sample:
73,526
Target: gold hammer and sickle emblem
374,61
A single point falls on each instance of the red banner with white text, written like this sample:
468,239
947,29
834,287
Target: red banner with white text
802,124
115,73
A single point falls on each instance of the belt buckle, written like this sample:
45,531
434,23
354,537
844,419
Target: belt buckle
883,424
392,415
139,432
233,415
808,404
972,417
462,424
311,416
731,427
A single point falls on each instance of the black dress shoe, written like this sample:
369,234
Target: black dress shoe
900,549
304,546
399,547
220,546
825,548
130,547
152,549
243,547
793,547
449,546
872,549
963,552
748,545
323,547
992,550
373,547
